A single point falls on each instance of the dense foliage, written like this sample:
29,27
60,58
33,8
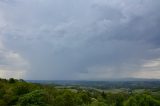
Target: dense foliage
20,93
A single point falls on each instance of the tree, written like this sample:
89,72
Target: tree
21,88
34,98
97,103
131,102
12,80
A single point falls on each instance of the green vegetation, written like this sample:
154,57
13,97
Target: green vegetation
20,93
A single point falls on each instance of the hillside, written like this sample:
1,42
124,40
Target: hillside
20,93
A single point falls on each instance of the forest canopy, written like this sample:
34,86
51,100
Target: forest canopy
21,93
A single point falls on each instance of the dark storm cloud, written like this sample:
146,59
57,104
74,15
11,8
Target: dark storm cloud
91,39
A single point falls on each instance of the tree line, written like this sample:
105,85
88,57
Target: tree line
21,93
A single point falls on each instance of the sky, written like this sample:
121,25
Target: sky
79,39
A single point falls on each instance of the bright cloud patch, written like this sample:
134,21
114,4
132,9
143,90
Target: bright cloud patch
11,64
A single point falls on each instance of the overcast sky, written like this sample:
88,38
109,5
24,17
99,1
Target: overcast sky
79,39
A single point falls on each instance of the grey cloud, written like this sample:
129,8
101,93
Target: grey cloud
83,39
